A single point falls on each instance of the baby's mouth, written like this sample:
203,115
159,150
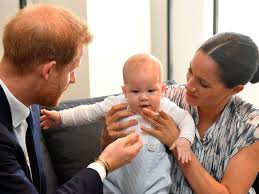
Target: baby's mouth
145,106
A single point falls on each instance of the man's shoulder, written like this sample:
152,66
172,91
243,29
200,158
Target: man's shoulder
6,135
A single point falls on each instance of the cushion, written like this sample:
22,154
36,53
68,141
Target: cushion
73,148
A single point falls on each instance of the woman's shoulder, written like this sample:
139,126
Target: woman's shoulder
174,92
247,112
248,115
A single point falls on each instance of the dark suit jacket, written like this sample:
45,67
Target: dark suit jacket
14,173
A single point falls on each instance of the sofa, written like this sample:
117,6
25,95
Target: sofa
67,150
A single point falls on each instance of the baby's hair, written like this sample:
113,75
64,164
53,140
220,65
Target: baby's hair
140,61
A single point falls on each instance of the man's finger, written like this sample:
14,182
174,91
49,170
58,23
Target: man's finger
136,146
132,138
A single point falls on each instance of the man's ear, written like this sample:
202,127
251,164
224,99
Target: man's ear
237,89
124,91
47,69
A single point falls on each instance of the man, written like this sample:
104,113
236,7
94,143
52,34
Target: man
43,46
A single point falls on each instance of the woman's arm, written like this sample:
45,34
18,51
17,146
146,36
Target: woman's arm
239,174
238,177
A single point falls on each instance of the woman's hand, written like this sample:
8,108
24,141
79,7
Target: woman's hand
164,127
113,128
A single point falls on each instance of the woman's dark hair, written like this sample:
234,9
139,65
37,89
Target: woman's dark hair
237,58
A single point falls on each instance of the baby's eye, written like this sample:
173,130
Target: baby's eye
150,91
135,91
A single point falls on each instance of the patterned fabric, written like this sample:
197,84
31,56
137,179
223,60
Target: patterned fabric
236,128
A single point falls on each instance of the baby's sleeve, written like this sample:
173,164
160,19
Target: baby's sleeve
182,119
84,114
187,126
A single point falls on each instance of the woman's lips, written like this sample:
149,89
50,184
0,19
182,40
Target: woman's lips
190,96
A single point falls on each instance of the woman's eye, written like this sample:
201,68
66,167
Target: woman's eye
204,85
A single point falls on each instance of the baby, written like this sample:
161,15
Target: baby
150,171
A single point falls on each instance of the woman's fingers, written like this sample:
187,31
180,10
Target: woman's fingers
118,134
149,131
118,126
118,112
159,117
117,107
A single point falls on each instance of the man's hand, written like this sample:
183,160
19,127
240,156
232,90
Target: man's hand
49,119
122,151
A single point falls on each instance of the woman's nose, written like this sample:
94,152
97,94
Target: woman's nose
190,86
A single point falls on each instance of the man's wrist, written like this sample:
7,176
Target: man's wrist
104,163
99,168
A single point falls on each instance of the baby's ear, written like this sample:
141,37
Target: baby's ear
163,88
124,90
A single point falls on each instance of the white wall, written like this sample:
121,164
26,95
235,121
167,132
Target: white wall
159,32
189,29
236,22
8,9
120,29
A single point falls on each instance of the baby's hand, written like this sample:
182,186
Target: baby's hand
183,147
49,119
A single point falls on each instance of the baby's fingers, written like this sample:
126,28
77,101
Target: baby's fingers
43,117
43,124
179,153
45,127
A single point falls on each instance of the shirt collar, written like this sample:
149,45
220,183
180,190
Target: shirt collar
19,111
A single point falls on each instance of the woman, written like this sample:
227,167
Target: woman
225,157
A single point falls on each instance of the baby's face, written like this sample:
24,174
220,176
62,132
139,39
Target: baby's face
143,90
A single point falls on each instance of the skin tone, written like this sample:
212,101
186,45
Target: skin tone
143,86
205,90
